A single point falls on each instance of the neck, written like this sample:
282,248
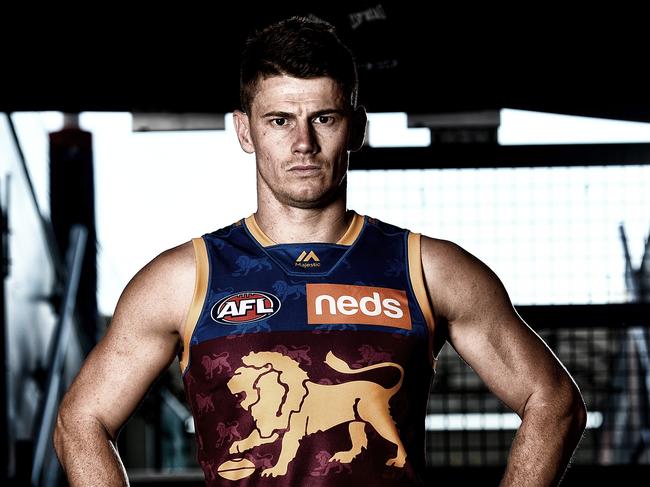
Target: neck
285,224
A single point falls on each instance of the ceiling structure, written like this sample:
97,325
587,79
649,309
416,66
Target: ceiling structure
411,58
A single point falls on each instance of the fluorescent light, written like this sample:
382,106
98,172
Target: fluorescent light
521,127
489,421
391,130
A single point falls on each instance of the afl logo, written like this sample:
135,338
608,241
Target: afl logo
245,307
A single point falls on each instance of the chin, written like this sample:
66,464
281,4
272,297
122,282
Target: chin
312,200
312,195
308,203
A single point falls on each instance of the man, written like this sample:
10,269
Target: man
307,333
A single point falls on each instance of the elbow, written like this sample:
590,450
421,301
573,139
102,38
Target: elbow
58,436
573,410
74,428
575,420
66,430
564,406
578,411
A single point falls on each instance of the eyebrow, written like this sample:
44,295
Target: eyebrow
326,111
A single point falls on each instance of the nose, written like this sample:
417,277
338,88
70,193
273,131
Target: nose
304,141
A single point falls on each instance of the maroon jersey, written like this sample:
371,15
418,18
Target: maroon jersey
309,363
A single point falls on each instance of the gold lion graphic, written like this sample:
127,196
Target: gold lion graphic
282,399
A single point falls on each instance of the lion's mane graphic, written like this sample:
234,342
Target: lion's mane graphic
285,403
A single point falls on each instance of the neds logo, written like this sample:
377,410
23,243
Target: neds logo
346,303
245,307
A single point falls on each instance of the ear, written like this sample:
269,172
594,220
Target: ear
358,129
242,127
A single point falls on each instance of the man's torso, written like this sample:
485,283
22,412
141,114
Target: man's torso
309,364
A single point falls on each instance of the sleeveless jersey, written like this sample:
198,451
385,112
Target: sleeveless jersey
309,363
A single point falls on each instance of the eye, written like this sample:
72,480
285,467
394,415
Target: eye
279,122
323,119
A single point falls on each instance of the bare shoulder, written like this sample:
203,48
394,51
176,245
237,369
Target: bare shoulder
162,290
177,260
445,261
455,278
439,252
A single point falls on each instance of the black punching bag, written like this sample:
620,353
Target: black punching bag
72,201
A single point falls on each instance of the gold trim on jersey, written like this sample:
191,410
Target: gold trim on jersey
353,230
348,238
257,232
416,274
200,291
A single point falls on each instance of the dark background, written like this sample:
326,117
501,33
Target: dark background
418,57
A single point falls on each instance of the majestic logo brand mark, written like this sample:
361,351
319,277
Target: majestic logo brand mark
346,303
245,307
307,259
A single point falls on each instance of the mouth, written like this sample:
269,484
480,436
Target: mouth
305,168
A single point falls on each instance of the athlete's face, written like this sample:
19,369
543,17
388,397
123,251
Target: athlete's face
300,131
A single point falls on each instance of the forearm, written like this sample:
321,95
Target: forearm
87,454
544,443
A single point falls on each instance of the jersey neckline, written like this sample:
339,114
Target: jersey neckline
348,238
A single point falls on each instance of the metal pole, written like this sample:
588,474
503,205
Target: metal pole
5,441
78,235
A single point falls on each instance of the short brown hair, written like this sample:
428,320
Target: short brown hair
300,47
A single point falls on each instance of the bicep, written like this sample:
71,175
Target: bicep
139,345
116,376
511,358
487,332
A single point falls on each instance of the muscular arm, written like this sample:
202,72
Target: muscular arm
139,345
514,362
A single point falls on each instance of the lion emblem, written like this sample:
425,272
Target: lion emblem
299,354
227,432
205,403
216,362
285,403
370,355
247,264
285,290
325,464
